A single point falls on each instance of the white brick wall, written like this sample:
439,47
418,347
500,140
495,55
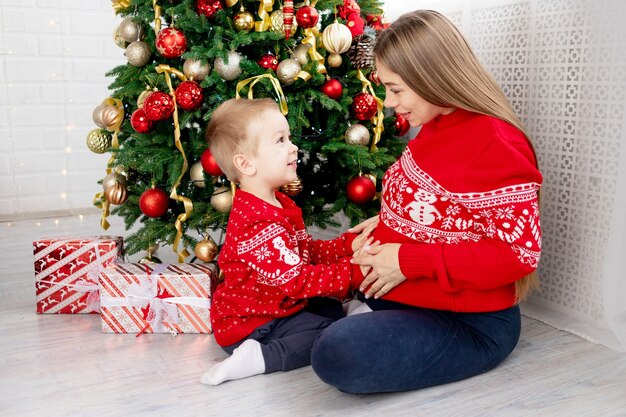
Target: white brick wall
53,57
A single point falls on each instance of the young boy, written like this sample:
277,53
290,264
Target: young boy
268,310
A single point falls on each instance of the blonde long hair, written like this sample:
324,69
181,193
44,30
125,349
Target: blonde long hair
433,58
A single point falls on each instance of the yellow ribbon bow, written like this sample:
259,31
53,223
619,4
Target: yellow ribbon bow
282,101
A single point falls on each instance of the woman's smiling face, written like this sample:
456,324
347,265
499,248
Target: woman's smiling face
405,101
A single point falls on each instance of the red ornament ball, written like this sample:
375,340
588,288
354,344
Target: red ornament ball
140,122
189,95
158,106
209,164
348,7
332,88
364,106
360,190
356,24
154,202
171,43
268,61
208,7
402,125
307,17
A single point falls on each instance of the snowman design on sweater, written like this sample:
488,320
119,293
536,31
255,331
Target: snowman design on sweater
418,207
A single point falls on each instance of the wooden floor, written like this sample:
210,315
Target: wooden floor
61,365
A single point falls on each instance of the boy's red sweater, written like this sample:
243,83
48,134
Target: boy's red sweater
462,201
271,266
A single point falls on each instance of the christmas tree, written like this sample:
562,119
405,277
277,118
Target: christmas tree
185,57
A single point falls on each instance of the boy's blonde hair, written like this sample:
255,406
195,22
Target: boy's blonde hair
231,131
433,58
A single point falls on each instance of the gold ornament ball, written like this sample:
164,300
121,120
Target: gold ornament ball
196,173
357,134
138,53
130,31
288,70
293,188
244,21
195,69
111,179
334,60
117,194
98,140
231,70
149,259
105,115
205,250
153,248
222,199
278,24
337,38
300,53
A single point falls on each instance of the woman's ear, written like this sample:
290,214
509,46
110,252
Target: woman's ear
243,165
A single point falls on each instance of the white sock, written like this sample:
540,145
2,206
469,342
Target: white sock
358,309
246,360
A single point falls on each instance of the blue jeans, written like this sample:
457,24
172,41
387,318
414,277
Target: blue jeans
401,348
286,342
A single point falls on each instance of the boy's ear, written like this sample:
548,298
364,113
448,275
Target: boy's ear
243,165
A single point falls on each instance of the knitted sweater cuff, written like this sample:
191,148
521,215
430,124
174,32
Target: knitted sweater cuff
417,260
348,238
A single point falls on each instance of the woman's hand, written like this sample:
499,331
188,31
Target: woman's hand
385,273
364,224
361,239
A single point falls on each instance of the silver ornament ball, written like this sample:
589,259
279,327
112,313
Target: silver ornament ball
138,53
231,70
288,70
195,69
300,53
130,31
357,134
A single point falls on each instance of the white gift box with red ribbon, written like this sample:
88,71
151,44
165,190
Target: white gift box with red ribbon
156,298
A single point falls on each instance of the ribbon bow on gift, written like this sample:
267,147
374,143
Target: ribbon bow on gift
147,292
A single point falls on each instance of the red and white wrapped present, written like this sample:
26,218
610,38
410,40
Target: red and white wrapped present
67,269
156,298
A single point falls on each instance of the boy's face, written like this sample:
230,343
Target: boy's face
276,158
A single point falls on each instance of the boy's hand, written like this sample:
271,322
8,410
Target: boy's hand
361,239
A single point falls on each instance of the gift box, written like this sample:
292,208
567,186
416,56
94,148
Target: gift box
67,269
156,298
